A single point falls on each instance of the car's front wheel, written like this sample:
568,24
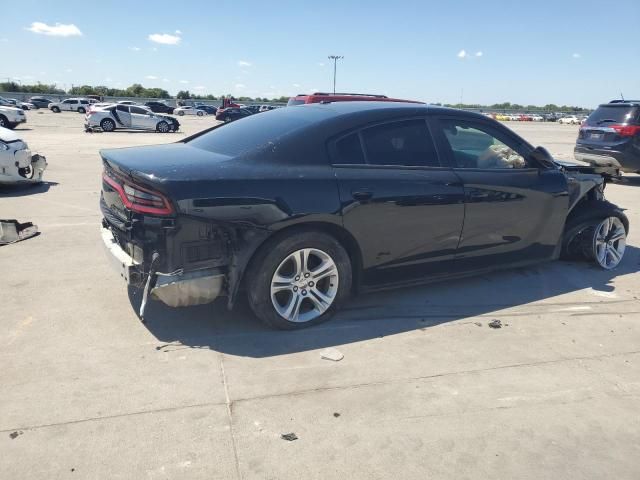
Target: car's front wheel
4,123
200,113
81,110
55,109
181,113
299,280
163,127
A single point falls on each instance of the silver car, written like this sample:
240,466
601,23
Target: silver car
130,117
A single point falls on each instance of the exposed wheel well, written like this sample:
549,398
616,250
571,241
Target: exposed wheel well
346,240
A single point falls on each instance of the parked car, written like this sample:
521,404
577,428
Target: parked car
209,109
11,117
159,107
253,108
134,117
550,117
266,108
17,103
188,110
40,102
536,118
319,97
80,105
569,120
611,136
303,206
231,114
17,163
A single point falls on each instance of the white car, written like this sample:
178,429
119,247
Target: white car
17,164
569,120
536,118
188,110
12,102
130,117
11,117
80,105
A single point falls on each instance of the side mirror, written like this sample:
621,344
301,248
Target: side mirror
541,157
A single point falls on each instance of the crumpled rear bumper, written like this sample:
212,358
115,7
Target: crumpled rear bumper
26,168
175,289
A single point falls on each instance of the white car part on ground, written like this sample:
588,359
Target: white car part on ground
12,231
17,164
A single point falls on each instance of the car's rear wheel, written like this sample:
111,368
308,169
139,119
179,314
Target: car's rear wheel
55,109
227,119
4,123
108,125
81,110
163,127
200,113
181,113
299,280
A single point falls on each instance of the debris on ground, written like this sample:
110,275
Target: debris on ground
332,354
477,324
336,414
12,231
14,435
495,323
290,437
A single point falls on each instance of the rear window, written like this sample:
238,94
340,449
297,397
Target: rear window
256,131
294,101
613,114
349,150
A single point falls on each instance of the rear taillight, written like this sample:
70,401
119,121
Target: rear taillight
139,199
626,130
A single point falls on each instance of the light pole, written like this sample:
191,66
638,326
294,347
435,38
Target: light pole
335,59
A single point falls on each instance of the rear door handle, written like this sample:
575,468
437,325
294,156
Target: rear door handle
362,196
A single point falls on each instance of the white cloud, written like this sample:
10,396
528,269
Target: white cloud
479,54
135,49
57,30
4,39
321,64
243,63
240,86
68,70
462,54
184,81
108,79
296,85
165,38
151,77
199,87
178,32
576,55
166,80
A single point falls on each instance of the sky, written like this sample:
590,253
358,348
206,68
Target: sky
491,51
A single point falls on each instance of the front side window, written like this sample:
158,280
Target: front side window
404,143
123,108
473,145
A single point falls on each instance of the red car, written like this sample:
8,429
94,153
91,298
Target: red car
341,97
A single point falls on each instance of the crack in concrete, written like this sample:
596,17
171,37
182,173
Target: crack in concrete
229,406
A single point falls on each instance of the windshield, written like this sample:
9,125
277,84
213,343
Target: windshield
613,114
255,130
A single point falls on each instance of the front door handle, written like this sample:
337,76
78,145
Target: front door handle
362,196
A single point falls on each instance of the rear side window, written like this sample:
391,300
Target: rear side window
405,143
349,150
609,114
84,102
138,110
123,108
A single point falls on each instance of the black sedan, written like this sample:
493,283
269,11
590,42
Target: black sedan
210,109
301,207
159,107
231,114
40,102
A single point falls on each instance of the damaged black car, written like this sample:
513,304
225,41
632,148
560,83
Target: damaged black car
300,207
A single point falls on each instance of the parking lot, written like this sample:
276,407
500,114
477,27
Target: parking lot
426,389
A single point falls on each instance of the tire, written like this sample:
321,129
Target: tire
181,113
108,125
311,299
4,122
200,114
55,109
227,119
81,110
582,229
162,127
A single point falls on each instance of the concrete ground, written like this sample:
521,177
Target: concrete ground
425,390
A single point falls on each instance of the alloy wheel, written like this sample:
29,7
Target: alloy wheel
304,285
609,242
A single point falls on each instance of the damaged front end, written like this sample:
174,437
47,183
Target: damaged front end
17,163
586,182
